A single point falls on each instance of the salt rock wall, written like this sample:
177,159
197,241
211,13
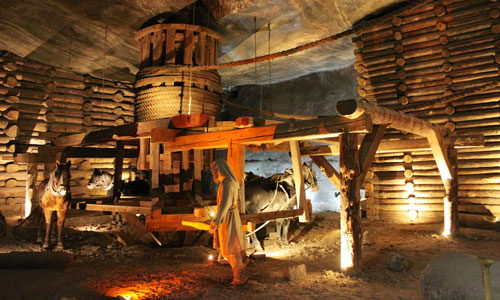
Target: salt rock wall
426,54
38,103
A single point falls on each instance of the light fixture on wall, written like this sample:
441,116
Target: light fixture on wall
412,208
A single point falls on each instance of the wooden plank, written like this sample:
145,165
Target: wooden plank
328,170
202,43
300,130
171,222
236,159
459,142
170,46
145,50
298,177
368,149
49,154
167,163
119,208
185,166
450,201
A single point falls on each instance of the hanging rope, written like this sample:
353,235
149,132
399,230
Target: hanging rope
364,24
268,113
269,65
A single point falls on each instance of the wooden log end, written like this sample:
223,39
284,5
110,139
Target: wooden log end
443,40
450,125
11,82
408,173
88,91
11,66
449,110
398,48
359,44
441,26
87,120
12,131
445,53
407,158
494,14
12,168
495,29
439,10
403,100
12,115
398,36
87,106
448,80
361,81
118,111
49,116
397,21
348,108
446,67
3,123
50,87
119,121
400,61
12,99
402,87
118,96
401,74
10,183
362,92
497,58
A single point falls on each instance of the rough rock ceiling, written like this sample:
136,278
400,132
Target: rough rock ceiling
76,34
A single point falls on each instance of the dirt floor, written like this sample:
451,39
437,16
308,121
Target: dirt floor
107,266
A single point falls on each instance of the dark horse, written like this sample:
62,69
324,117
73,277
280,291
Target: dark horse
55,196
273,194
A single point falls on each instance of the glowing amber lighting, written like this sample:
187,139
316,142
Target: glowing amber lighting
412,214
27,207
210,257
345,252
447,217
410,187
212,214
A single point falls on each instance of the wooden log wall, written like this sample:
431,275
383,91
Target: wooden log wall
426,54
39,102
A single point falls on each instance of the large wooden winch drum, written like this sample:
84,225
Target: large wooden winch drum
163,88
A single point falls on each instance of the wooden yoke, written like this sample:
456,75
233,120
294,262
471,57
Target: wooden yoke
236,159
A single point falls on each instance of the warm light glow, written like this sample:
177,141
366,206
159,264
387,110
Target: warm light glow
27,207
410,187
412,214
210,257
447,217
212,214
412,200
345,252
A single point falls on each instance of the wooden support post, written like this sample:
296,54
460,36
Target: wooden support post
198,166
236,159
118,171
451,198
328,170
167,163
142,161
31,176
155,172
298,177
185,170
350,221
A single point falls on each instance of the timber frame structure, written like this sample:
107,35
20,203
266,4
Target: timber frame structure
341,133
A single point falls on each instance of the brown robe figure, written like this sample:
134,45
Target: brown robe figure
226,225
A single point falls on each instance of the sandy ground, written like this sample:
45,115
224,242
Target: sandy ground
104,268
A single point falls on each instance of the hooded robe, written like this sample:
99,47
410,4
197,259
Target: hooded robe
229,236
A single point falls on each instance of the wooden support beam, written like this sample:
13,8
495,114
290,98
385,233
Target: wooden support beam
271,215
185,166
328,170
367,150
137,224
142,161
127,131
381,115
451,224
167,163
197,168
298,177
118,208
117,181
439,151
350,221
155,172
294,131
236,159
49,154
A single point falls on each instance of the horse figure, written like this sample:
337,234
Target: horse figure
105,180
273,194
55,196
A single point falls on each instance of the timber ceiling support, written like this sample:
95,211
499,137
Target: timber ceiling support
368,149
328,170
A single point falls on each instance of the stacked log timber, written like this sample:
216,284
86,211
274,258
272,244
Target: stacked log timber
38,103
426,54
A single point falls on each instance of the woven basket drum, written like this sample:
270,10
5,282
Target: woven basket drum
166,85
